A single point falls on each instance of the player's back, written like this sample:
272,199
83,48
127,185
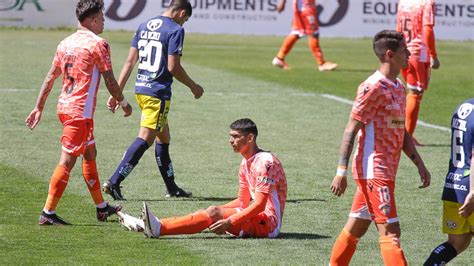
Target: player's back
462,143
412,15
82,57
155,39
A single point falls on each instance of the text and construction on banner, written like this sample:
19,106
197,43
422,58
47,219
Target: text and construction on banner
338,18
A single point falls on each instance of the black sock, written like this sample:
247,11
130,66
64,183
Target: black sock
129,161
165,166
441,255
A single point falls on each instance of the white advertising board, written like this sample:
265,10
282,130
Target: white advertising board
338,18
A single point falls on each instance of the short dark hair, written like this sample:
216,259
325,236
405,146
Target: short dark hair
182,5
245,125
387,40
87,8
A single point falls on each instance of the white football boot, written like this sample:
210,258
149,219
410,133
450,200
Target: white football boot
152,223
131,223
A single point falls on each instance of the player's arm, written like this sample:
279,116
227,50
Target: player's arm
116,92
410,150
127,68
34,117
339,183
258,206
242,201
281,6
175,68
431,43
468,207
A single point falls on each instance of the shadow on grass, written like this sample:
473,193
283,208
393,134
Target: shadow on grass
433,145
282,236
217,199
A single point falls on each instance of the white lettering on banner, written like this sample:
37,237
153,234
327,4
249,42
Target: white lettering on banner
342,18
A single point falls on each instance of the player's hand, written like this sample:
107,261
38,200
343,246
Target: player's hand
220,227
468,207
197,91
280,7
33,118
425,176
127,110
112,104
339,185
435,64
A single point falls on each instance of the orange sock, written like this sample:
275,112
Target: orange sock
57,185
188,224
343,249
412,110
392,253
286,46
316,50
91,176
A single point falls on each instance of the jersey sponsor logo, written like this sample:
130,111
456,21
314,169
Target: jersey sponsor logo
464,110
451,224
396,122
150,35
154,24
454,177
142,77
394,106
266,180
455,186
459,124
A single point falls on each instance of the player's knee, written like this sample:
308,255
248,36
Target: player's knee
214,213
315,35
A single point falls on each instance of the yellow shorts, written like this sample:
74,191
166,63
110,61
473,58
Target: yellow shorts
453,223
154,111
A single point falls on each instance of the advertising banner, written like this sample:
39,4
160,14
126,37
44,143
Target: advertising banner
338,18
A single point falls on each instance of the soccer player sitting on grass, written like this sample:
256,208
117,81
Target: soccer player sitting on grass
81,58
256,212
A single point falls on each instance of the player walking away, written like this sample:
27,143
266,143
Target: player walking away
377,119
157,46
458,194
261,180
80,58
415,18
305,22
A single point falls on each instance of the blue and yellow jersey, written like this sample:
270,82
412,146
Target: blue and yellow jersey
456,186
155,39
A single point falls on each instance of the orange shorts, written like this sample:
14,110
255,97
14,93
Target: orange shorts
305,23
259,226
78,133
375,200
417,75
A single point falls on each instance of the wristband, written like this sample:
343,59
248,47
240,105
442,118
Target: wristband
341,171
123,103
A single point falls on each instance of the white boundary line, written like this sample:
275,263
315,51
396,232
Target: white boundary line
420,123
302,94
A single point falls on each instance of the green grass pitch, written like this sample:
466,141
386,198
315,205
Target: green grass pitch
295,122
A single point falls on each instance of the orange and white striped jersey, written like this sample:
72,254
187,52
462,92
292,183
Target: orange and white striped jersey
412,16
380,105
264,173
82,57
300,5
